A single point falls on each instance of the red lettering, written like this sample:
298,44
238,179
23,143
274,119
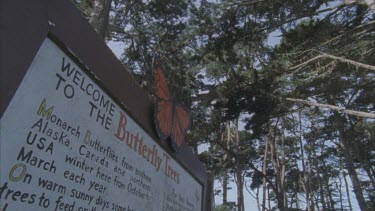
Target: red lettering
121,132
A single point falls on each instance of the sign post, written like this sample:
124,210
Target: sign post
76,131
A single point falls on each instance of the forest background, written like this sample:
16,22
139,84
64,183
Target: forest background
282,92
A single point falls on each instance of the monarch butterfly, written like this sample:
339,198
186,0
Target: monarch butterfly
171,120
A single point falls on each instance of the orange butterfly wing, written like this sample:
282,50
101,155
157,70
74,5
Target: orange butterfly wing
164,117
161,89
171,120
181,123
164,107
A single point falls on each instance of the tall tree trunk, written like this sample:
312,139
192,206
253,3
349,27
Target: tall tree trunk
330,201
317,168
350,166
264,170
210,190
305,173
257,198
269,198
100,16
297,186
365,164
280,195
279,168
339,187
240,201
239,183
225,177
346,184
310,173
225,187
283,170
347,191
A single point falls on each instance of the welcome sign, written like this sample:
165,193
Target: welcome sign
67,145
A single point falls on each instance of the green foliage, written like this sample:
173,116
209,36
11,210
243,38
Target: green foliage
218,62
224,208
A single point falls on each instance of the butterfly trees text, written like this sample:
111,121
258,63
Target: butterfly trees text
150,153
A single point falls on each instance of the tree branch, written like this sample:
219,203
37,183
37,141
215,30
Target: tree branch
340,6
335,108
341,35
329,56
369,3
357,64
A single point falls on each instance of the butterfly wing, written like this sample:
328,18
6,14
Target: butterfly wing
171,120
164,108
163,117
161,86
181,123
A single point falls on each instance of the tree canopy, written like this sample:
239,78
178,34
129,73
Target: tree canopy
307,103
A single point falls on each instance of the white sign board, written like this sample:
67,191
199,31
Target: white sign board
66,145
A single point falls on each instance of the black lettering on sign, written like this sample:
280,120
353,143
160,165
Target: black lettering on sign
77,178
74,193
93,157
102,202
118,183
7,193
67,88
52,186
41,143
55,135
51,117
81,164
118,207
61,205
100,116
103,176
43,201
80,81
98,187
33,160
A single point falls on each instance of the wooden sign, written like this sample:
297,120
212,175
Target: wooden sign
73,135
